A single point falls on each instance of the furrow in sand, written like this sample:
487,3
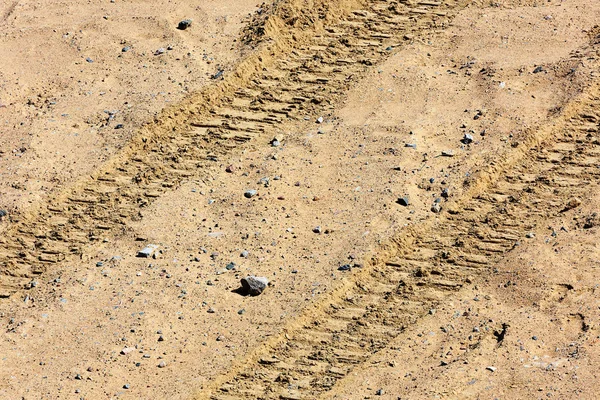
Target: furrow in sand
299,68
421,269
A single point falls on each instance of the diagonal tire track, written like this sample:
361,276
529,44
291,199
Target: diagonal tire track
305,63
544,177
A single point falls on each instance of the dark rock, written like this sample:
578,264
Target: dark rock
345,267
403,201
147,251
254,285
467,139
250,193
183,25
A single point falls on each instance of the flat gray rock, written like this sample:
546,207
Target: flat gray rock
254,285
147,251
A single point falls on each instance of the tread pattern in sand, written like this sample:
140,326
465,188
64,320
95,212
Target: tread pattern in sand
307,78
429,266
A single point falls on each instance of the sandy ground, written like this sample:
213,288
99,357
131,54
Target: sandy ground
102,326
76,79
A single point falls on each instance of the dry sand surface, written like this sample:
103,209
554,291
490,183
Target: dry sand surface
418,181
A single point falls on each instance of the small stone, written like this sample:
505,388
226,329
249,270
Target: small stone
147,251
538,70
573,203
184,24
436,208
89,60
317,229
78,377
250,193
242,311
230,169
445,193
254,285
530,235
411,145
210,310
162,364
380,392
230,266
275,143
99,264
126,49
119,126
160,51
126,386
161,338
245,254
467,139
345,267
3,213
320,120
127,350
403,201
490,368
448,153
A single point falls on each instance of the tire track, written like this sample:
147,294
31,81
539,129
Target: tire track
546,176
308,57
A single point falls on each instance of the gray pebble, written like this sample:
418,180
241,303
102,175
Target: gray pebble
436,208
345,267
245,254
162,364
403,201
254,285
250,193
184,24
467,139
147,251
